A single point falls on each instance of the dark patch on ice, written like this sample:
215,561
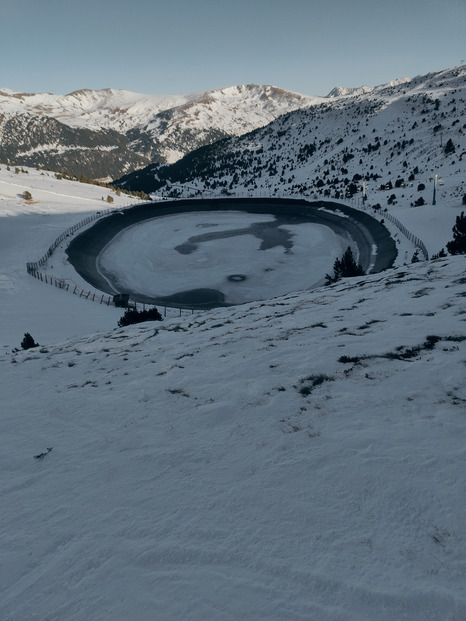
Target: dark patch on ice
186,248
268,232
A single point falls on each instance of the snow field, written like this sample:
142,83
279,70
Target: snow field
205,484
229,464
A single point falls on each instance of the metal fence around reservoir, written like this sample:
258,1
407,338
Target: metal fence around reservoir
414,239
34,268
101,298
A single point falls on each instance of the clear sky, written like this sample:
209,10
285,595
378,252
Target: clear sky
182,46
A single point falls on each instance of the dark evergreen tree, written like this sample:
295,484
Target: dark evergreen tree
449,147
28,342
415,257
346,267
458,243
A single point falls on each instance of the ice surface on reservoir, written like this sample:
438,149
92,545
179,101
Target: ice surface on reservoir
147,258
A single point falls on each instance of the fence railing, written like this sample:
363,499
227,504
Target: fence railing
414,239
34,267
101,298
410,236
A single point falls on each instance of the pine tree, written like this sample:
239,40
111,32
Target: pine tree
458,243
346,267
449,147
28,342
349,267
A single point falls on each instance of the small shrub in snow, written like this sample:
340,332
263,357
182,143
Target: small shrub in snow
28,342
310,382
42,455
134,316
352,359
439,255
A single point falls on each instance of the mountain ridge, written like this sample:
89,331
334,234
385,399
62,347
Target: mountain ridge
153,128
300,456
393,138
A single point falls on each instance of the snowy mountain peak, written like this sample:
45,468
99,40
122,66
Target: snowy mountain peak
155,128
393,137
162,129
341,91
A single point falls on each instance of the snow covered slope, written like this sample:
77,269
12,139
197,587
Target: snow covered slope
296,458
389,143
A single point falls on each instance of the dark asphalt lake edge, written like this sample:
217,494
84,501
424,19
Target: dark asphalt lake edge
364,230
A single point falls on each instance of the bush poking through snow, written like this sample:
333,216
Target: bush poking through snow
439,255
133,316
310,382
28,342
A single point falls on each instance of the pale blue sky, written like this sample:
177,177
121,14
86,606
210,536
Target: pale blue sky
183,46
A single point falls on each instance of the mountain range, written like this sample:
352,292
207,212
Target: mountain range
107,133
397,138
296,457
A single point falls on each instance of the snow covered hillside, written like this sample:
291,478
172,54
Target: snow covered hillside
390,144
296,458
301,458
